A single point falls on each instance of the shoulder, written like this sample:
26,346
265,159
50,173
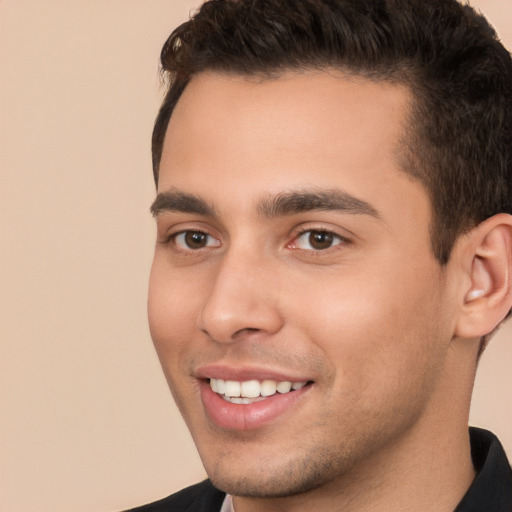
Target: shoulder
197,498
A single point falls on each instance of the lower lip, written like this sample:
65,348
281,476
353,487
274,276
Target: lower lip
247,416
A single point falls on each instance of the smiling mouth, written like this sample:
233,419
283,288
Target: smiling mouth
251,391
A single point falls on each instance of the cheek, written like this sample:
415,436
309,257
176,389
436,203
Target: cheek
171,306
380,333
170,314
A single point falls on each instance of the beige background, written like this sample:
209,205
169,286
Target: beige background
86,421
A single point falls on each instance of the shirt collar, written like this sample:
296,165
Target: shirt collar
492,487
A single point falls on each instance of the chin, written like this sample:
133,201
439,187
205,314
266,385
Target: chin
277,478
251,487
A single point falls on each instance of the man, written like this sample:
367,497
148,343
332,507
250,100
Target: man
334,250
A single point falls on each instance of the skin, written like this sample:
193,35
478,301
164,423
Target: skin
369,318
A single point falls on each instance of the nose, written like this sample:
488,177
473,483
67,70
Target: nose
243,299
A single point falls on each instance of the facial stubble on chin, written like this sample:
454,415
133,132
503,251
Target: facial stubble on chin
282,475
292,478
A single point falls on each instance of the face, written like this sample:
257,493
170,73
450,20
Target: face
296,307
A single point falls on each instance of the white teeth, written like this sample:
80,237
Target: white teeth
251,390
238,400
221,386
268,388
232,388
284,387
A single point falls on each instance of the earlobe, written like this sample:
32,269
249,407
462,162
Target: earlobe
488,298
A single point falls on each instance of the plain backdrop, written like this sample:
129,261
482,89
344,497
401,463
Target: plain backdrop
86,421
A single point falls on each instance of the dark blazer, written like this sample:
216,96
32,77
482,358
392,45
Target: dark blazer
202,497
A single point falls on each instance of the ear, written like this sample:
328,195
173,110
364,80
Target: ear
487,262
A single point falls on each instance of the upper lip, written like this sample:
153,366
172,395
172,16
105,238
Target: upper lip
245,373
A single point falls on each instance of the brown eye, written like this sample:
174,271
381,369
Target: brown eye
194,240
317,240
320,240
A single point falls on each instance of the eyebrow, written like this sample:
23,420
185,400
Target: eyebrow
289,203
286,203
176,201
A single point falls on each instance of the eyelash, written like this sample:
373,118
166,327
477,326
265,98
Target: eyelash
173,237
341,240
332,237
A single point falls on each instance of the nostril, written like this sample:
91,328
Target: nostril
247,330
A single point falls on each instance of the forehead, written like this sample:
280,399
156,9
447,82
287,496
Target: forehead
310,105
234,137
